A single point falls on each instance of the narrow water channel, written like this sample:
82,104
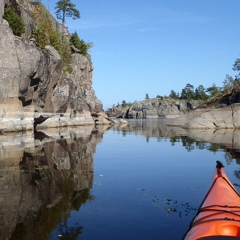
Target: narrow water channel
144,180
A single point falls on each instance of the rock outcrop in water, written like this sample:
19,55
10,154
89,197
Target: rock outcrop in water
219,112
34,88
221,118
222,112
154,108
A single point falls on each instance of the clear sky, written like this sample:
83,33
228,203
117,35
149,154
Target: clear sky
154,46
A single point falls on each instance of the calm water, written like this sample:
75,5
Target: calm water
141,181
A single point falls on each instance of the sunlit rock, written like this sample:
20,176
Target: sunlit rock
220,118
34,82
154,108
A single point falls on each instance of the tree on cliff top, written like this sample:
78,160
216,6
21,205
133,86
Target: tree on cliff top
80,44
65,8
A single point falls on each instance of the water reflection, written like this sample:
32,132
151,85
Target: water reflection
42,178
211,139
46,175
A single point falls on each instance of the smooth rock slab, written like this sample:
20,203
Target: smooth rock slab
221,118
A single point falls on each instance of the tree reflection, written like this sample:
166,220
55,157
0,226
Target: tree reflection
80,198
237,174
69,233
213,147
191,140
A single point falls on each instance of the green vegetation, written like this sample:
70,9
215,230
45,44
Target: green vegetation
80,44
173,95
45,33
202,93
190,144
160,97
124,103
43,28
66,9
16,23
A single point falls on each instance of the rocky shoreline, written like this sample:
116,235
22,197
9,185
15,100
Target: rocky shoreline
36,91
154,108
227,117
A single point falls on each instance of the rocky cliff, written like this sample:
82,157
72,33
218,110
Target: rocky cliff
34,88
219,112
154,108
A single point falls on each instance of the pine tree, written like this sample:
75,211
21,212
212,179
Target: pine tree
65,8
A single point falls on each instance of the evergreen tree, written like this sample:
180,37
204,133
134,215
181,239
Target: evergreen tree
187,92
66,9
236,67
124,103
15,21
228,82
80,44
213,90
200,93
160,97
173,95
183,94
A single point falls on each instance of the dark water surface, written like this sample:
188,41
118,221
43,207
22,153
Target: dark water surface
140,181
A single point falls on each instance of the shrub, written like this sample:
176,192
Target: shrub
80,44
42,26
15,21
65,53
45,33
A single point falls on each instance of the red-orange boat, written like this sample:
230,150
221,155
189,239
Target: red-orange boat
218,216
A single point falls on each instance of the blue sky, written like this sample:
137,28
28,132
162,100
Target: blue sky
153,46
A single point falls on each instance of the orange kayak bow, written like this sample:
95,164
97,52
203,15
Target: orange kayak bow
218,216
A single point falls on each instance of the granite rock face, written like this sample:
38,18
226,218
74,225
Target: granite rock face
34,88
1,9
227,117
154,108
221,118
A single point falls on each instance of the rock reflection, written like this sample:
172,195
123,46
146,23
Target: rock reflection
42,178
151,128
211,139
45,175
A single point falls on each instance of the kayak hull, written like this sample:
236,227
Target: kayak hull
219,213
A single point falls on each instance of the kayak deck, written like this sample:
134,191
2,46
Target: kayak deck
219,213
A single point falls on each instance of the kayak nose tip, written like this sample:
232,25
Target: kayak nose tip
219,164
